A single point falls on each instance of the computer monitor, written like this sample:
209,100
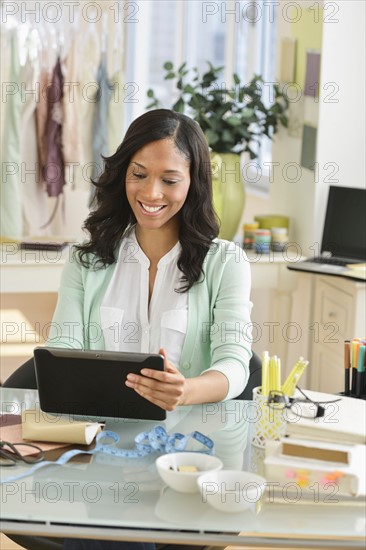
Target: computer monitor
344,233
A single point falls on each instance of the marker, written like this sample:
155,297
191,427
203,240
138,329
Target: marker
364,374
347,366
354,363
360,370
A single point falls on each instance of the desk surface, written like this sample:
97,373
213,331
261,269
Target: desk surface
124,499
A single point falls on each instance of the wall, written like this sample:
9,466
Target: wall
292,190
341,128
341,136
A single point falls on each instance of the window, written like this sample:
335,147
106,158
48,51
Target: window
240,36
255,49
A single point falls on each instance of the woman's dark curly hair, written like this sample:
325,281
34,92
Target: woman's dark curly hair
112,214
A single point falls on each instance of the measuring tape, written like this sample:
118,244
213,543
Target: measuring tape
156,440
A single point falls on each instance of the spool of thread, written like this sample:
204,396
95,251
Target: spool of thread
249,235
262,240
272,220
279,238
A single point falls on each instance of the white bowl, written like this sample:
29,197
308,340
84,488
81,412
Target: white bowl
231,490
185,482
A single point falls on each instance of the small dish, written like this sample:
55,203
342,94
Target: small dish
181,470
231,490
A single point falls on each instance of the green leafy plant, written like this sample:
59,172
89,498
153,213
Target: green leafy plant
233,119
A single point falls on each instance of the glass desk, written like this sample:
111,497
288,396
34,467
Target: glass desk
124,499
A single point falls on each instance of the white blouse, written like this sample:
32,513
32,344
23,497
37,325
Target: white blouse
129,322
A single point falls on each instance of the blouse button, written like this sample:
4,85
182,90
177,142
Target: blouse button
186,365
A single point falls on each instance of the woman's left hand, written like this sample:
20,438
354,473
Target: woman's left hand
167,388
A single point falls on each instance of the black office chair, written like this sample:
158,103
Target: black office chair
255,377
24,377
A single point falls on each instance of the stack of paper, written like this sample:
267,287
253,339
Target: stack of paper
323,456
343,421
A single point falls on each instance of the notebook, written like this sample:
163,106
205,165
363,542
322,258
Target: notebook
344,235
343,421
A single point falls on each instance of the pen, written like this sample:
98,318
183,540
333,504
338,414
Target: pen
347,365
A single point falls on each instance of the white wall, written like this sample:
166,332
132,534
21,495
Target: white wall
341,125
292,191
341,138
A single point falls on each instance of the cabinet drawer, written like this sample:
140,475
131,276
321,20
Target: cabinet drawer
334,312
334,306
327,371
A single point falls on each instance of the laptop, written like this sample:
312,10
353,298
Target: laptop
88,384
344,236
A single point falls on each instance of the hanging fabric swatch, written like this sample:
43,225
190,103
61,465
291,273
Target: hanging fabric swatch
11,223
57,117
34,198
72,110
116,113
54,169
100,121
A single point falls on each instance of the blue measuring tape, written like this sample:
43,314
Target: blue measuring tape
156,440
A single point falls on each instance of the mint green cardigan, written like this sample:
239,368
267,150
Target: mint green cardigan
218,333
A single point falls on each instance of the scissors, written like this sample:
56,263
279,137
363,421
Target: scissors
9,454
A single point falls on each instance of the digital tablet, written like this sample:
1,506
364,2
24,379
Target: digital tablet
91,384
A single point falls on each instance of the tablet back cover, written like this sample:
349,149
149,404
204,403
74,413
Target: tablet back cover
92,383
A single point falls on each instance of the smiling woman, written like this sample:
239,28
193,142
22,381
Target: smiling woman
153,276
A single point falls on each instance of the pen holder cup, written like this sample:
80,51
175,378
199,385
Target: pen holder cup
270,422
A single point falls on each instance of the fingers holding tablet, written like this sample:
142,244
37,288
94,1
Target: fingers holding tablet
166,388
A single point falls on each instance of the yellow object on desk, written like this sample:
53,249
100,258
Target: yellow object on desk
291,381
275,373
265,372
271,373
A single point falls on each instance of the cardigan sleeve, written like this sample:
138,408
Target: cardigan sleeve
67,327
231,328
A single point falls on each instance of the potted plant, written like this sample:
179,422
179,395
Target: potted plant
233,120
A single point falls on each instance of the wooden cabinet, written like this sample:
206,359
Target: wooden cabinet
339,312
